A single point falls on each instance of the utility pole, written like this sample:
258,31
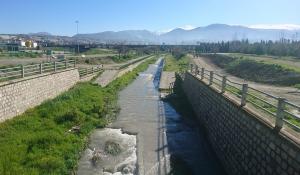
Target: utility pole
77,22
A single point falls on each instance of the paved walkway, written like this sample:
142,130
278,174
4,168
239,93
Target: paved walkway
167,78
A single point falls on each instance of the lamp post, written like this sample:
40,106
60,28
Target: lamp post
77,22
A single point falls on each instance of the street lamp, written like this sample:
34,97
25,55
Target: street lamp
77,22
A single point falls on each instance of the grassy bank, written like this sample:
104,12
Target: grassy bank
99,51
39,141
176,64
259,71
124,58
179,101
292,63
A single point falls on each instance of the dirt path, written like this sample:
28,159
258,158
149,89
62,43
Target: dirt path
112,72
106,77
19,61
289,93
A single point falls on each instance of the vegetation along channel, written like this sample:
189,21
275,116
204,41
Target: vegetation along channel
48,139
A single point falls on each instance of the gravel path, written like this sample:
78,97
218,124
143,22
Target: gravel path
289,93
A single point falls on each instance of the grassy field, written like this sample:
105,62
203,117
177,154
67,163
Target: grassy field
264,71
39,141
176,65
99,51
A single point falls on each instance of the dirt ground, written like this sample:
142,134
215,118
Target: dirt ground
19,61
289,93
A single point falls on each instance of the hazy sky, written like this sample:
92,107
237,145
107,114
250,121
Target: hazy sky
59,16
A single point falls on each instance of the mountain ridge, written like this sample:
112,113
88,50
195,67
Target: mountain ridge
210,33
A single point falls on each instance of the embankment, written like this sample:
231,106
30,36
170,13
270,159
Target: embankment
257,71
241,140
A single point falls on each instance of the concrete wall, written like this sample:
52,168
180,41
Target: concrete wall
19,95
243,143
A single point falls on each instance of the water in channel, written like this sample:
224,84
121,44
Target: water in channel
149,137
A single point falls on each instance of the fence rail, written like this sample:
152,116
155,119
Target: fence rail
22,71
282,110
88,71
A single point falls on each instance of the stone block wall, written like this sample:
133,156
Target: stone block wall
244,144
19,95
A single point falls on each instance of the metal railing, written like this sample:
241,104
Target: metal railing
88,71
284,111
22,71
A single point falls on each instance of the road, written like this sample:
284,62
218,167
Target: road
289,93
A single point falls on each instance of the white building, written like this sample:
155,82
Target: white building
34,44
22,43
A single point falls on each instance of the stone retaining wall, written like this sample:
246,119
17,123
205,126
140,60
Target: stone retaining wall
19,95
243,143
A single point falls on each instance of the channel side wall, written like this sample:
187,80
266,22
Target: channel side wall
243,143
19,95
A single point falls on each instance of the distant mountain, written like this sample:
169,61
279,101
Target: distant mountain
211,33
40,34
137,36
223,32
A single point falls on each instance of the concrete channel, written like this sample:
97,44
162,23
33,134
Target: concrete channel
152,130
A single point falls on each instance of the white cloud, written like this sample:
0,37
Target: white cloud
185,27
276,26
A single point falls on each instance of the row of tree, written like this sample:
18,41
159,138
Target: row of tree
277,48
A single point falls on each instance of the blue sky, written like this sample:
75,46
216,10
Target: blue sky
59,16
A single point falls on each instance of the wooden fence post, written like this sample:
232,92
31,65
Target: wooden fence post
23,71
211,77
244,94
224,79
280,113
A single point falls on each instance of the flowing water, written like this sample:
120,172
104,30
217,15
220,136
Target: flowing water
162,139
96,159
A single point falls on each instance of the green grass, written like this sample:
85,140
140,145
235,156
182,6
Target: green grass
290,63
297,86
123,58
96,51
258,71
176,65
38,141
238,93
